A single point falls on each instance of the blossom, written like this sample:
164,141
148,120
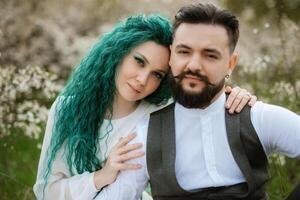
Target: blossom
23,93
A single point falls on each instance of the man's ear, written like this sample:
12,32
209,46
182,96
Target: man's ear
232,62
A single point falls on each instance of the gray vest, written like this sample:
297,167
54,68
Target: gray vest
245,147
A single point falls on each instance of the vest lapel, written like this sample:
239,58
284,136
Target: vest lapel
237,149
169,147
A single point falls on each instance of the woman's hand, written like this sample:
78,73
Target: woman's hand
238,98
115,162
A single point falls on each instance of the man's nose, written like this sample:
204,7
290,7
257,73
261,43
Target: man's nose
194,64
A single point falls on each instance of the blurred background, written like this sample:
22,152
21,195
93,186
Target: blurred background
41,41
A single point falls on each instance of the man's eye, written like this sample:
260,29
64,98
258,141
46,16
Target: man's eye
182,52
213,56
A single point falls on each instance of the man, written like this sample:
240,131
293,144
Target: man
194,148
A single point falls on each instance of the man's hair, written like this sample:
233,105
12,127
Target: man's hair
209,14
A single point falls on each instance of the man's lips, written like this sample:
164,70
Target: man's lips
133,88
193,78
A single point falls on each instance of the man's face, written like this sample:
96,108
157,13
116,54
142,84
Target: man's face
200,60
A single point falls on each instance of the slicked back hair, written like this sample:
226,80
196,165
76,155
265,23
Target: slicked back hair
209,14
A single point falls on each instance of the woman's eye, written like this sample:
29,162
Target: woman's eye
158,75
139,61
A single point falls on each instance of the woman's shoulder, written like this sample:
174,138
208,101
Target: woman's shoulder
150,108
58,102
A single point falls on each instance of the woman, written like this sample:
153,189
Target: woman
123,78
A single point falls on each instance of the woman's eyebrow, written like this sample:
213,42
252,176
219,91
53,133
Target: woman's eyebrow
146,61
143,57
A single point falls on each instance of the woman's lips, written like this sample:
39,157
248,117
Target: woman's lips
133,88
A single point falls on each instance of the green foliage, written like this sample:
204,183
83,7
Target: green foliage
19,158
285,174
272,72
261,10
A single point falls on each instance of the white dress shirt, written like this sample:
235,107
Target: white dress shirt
203,156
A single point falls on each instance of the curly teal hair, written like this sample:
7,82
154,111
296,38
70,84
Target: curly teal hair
91,88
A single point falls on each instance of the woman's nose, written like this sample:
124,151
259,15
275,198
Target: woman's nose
142,77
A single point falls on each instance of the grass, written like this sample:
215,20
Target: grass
19,156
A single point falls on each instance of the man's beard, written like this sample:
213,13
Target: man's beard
199,99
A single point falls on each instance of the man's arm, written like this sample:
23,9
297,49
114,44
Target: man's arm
278,129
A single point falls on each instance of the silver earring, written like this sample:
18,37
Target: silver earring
227,76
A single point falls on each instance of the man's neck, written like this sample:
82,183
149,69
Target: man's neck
217,96
201,105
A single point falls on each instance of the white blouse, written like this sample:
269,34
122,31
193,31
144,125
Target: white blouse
61,185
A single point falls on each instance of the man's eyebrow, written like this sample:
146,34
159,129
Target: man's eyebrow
182,46
209,50
143,57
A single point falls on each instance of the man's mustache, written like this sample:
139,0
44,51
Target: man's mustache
182,75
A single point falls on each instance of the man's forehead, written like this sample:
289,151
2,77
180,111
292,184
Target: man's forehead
188,33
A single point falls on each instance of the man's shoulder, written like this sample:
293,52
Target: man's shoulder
258,107
269,109
165,108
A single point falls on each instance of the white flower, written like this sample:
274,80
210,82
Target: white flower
255,31
267,25
18,107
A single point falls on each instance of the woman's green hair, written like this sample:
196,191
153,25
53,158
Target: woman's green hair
91,88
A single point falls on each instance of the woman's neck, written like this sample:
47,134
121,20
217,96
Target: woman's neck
122,108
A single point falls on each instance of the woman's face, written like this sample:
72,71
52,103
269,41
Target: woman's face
141,71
